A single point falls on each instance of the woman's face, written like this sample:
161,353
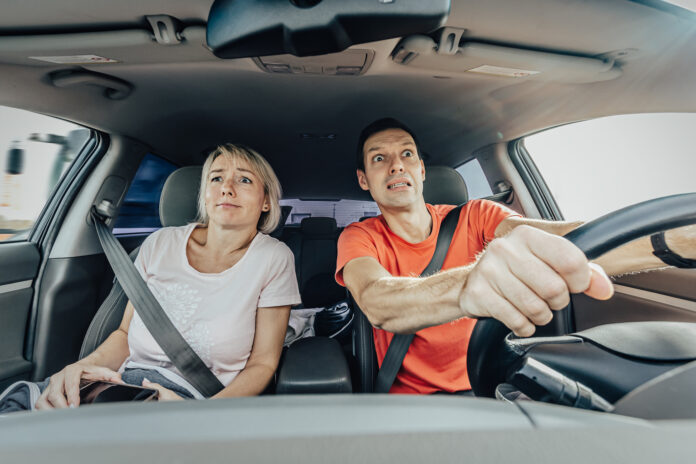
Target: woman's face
234,194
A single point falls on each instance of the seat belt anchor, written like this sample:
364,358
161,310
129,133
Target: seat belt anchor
105,210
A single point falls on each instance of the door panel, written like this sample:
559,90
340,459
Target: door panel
19,263
668,295
71,291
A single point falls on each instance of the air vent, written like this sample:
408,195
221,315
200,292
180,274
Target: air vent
347,63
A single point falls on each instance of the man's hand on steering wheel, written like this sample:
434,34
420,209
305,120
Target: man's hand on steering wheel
522,277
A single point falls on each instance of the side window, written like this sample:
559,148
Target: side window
35,151
344,211
597,166
140,209
476,182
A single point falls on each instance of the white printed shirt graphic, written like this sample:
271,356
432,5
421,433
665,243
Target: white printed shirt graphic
180,302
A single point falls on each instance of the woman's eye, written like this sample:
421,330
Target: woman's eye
407,154
377,158
216,179
245,180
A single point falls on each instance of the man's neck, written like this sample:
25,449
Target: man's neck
413,224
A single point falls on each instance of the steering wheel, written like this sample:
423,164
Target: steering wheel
487,358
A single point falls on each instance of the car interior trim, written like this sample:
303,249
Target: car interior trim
657,297
15,286
537,187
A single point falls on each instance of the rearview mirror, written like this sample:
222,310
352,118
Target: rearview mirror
251,28
15,161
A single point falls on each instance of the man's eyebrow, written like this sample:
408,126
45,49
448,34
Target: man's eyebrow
403,144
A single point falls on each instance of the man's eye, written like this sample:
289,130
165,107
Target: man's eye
407,154
377,158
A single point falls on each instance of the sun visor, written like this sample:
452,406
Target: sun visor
252,28
130,46
504,61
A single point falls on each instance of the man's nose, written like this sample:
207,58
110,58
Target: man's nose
396,166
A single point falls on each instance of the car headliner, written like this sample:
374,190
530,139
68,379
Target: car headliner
186,100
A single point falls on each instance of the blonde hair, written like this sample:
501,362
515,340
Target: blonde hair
271,186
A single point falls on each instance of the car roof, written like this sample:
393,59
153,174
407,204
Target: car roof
185,100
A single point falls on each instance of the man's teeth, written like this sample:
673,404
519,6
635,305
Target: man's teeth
399,184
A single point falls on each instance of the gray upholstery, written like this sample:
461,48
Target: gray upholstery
444,186
179,199
177,208
314,248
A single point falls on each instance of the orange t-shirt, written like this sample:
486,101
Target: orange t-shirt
436,359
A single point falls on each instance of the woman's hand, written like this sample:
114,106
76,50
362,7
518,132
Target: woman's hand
64,387
165,394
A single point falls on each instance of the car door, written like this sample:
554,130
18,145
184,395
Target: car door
588,169
39,156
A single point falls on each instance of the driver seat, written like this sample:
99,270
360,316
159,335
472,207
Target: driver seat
443,185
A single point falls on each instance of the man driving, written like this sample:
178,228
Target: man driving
499,265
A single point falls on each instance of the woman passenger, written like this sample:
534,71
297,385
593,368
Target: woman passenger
226,285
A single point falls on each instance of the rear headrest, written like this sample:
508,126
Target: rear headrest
179,200
444,186
318,225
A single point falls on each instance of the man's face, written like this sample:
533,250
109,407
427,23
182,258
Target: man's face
394,173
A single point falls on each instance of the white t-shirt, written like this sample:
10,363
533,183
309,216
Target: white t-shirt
216,313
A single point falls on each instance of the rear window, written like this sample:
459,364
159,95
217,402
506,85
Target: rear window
344,211
476,181
140,210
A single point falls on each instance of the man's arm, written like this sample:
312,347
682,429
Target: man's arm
634,256
519,279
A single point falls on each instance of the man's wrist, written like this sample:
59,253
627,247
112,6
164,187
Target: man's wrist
682,241
668,254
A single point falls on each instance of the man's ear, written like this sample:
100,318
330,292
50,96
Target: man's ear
362,179
422,169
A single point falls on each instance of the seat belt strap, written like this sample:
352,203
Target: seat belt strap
401,342
177,349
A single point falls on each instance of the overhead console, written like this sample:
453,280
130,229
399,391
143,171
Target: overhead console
249,28
451,52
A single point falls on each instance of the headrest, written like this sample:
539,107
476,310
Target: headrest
318,225
444,186
179,200
284,213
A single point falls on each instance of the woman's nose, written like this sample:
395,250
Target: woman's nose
228,189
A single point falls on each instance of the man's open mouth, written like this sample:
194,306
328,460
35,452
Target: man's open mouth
398,184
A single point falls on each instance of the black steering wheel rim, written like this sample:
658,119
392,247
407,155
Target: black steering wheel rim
486,357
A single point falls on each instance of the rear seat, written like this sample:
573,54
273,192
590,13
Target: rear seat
316,364
314,247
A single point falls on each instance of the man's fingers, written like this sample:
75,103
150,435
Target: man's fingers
560,255
501,309
601,287
522,298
